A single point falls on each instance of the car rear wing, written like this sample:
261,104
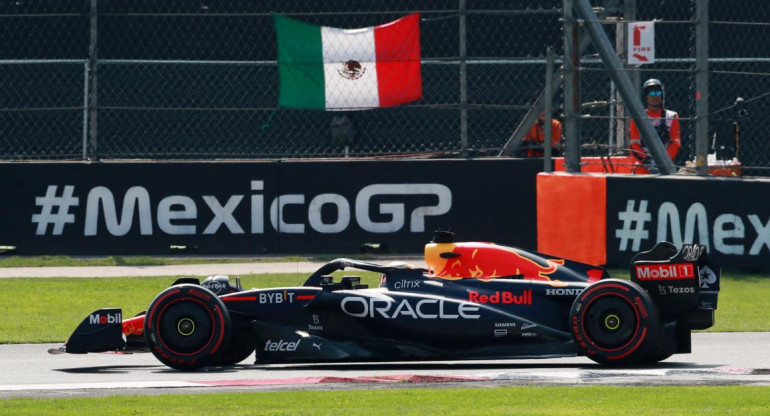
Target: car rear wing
683,283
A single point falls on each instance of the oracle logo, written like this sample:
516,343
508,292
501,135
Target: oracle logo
388,308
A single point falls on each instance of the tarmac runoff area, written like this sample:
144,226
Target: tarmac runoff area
228,269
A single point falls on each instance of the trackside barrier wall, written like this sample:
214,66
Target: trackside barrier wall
264,207
611,217
577,204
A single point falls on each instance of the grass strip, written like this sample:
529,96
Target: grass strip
66,261
522,400
48,310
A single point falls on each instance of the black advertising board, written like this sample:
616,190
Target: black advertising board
132,208
729,216
264,207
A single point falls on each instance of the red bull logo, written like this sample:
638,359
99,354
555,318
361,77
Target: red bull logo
134,326
504,297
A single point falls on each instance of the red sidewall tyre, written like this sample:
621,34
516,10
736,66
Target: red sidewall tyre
186,326
614,322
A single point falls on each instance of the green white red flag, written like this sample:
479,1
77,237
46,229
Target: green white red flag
348,69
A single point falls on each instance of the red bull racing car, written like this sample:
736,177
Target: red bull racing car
474,301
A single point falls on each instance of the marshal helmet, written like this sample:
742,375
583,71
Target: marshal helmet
653,83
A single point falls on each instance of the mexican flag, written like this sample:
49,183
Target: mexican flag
348,69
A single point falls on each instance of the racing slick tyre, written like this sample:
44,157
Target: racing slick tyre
614,322
186,326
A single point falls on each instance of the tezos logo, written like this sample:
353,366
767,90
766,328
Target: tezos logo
675,290
99,319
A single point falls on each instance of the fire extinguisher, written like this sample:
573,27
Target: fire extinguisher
638,35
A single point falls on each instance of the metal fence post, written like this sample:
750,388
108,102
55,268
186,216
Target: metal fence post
92,103
463,84
701,86
571,90
547,128
629,12
86,75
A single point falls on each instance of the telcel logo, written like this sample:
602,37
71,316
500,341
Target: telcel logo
281,345
665,271
99,319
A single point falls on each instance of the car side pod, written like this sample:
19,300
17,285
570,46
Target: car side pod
101,331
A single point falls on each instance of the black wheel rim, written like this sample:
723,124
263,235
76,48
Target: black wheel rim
610,322
185,327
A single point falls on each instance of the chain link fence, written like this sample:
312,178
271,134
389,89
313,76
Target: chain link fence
181,79
739,66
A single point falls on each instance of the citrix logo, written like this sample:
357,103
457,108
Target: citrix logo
178,214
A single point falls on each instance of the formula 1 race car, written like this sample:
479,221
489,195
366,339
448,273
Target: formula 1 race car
474,301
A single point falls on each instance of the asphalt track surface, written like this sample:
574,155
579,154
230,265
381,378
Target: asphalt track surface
29,371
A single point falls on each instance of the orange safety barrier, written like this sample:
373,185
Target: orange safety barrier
601,164
626,164
572,216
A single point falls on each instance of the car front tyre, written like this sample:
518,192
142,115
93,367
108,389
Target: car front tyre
186,326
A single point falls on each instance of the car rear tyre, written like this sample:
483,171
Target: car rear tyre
187,326
614,322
